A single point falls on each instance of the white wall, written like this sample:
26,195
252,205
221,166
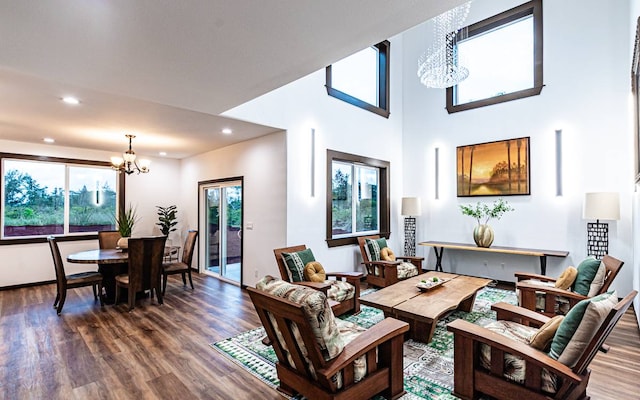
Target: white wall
586,94
633,17
28,263
303,105
262,163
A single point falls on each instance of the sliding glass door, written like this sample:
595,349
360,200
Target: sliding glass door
221,215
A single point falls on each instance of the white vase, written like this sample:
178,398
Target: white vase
123,243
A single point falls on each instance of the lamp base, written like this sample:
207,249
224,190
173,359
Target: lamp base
597,239
410,236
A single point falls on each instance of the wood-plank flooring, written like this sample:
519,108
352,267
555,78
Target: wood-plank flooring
163,352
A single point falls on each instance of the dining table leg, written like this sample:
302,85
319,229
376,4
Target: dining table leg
109,273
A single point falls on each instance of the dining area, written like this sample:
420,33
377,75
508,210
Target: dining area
128,273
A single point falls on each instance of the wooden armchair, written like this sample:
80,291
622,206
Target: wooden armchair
339,305
369,364
471,378
530,289
383,273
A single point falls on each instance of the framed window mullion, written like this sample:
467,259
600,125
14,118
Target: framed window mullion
67,205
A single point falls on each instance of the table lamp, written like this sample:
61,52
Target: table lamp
600,205
410,209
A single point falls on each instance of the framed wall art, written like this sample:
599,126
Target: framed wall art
494,169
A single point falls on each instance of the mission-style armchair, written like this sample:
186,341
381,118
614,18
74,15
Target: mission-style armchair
383,267
342,288
512,359
323,357
550,296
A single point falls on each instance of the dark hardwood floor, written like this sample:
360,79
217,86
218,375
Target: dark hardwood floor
163,352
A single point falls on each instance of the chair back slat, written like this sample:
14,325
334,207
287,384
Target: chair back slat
603,332
189,246
284,271
108,239
61,277
613,266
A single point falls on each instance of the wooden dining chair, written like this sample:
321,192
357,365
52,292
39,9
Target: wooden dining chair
145,268
65,282
108,239
181,267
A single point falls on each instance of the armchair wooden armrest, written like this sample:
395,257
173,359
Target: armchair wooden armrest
322,286
530,291
410,258
550,290
525,275
368,340
348,276
509,312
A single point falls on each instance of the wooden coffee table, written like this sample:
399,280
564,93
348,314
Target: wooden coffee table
422,309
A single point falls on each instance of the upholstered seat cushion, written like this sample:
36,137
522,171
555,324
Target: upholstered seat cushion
562,303
340,290
407,270
515,367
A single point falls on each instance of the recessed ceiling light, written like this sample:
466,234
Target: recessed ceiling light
49,140
227,131
163,153
71,100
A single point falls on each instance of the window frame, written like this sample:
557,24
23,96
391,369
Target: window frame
382,109
120,190
533,8
384,202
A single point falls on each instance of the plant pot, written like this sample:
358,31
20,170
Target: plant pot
123,243
483,235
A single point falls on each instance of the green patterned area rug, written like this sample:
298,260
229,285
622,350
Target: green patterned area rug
428,368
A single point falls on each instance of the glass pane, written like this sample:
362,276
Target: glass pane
213,231
341,213
357,75
33,198
367,201
499,61
233,243
92,199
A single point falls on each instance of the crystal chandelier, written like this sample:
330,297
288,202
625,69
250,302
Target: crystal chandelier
439,67
127,163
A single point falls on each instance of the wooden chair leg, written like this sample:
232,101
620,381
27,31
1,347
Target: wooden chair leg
63,297
55,303
100,295
164,283
190,280
132,298
184,280
95,291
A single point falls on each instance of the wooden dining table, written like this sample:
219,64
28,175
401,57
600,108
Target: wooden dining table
111,262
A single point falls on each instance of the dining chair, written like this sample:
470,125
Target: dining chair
145,265
181,267
65,282
108,239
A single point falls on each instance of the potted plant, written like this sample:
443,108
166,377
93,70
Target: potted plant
482,212
125,220
167,219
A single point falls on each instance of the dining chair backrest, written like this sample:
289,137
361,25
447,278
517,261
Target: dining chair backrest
61,277
108,239
189,246
145,262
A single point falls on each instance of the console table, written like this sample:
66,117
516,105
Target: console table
438,248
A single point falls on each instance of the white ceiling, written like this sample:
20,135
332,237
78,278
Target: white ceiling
164,70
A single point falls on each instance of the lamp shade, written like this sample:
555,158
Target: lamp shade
411,206
601,205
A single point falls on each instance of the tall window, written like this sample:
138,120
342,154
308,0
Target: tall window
44,196
504,57
357,200
362,79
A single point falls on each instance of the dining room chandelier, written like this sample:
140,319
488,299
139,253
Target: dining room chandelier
440,66
127,163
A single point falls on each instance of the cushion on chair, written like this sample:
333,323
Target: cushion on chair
541,340
566,278
515,367
598,280
340,290
407,270
386,254
374,246
296,262
587,270
314,272
578,327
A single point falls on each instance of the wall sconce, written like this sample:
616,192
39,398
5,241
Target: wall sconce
411,208
600,205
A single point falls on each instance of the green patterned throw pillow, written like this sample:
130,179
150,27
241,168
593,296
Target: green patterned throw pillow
374,246
587,270
296,262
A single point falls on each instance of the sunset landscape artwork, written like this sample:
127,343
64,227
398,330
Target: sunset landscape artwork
494,169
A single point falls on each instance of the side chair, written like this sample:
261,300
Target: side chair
381,272
341,288
184,266
65,282
145,265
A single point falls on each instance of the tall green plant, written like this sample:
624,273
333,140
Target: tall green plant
167,219
126,220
